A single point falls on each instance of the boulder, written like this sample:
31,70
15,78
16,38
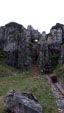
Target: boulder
21,102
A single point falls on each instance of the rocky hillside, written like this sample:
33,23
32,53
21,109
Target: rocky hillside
23,47
26,82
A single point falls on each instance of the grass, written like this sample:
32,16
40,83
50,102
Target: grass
25,82
59,71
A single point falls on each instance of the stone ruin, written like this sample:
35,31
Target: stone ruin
24,47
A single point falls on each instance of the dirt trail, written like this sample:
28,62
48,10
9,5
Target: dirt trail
35,70
1,97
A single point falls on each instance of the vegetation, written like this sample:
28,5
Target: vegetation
30,44
63,46
54,59
25,82
59,71
57,26
56,56
2,54
14,32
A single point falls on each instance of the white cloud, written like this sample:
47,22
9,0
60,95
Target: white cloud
41,14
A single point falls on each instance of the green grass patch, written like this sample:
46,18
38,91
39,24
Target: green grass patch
26,82
39,88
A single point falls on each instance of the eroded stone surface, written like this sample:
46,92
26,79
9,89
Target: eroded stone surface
26,46
21,102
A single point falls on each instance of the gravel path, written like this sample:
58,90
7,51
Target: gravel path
58,96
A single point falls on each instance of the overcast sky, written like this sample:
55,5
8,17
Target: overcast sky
41,14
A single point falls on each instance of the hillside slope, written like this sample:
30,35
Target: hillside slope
26,82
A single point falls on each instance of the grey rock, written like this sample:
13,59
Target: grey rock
37,77
61,104
21,102
24,46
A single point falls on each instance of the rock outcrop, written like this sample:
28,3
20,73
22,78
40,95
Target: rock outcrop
15,46
23,47
21,102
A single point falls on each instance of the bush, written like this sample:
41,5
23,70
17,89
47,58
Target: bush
2,54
